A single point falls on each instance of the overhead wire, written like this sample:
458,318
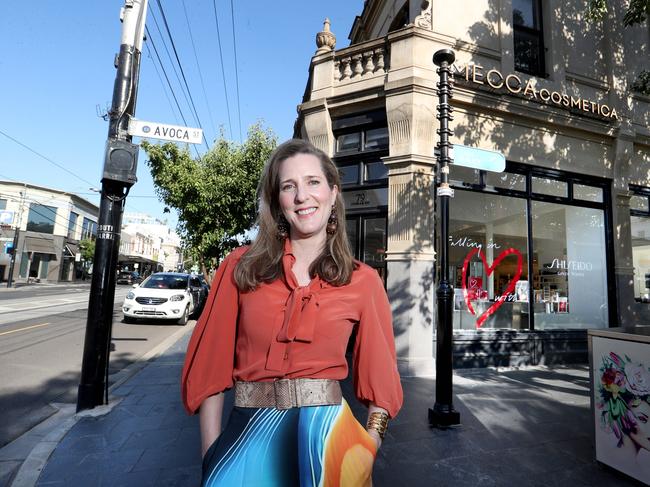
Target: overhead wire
234,46
178,60
150,56
198,67
45,158
153,44
223,71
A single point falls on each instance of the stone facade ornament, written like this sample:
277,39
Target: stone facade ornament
325,40
424,18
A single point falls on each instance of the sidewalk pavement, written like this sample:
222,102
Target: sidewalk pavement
527,427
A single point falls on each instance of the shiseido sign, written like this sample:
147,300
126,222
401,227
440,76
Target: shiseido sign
515,84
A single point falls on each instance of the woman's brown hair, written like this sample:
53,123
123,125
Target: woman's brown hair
263,260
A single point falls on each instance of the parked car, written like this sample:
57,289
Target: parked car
205,290
164,296
128,277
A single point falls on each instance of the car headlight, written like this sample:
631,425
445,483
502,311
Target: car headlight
130,295
177,297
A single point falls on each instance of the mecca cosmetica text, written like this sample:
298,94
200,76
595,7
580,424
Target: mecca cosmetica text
477,74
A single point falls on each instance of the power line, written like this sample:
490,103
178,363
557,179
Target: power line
198,66
162,83
153,44
171,61
234,46
171,39
46,158
223,71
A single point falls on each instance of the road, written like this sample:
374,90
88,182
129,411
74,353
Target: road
42,330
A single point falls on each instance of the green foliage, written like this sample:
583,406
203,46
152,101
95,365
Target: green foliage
87,247
637,11
215,195
642,83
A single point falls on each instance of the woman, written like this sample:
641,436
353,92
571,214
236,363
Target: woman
276,326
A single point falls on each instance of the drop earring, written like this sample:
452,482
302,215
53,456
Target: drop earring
332,222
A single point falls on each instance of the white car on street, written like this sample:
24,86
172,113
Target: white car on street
164,296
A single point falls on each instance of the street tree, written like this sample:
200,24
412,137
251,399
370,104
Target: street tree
87,249
215,194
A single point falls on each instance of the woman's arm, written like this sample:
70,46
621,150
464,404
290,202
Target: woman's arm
371,431
210,420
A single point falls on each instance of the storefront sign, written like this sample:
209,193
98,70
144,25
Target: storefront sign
570,267
516,85
367,198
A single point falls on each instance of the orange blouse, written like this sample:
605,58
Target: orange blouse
283,330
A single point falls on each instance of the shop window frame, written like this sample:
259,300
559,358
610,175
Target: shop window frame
645,192
570,178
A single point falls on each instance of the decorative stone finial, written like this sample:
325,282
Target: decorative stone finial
325,40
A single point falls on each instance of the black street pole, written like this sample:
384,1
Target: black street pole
443,415
119,174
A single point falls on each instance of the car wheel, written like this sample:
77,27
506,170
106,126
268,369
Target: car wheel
186,314
128,319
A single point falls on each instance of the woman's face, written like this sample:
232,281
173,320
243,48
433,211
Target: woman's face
642,435
305,196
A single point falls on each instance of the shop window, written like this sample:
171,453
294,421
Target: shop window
3,204
506,180
532,259
464,176
41,218
348,142
569,266
587,193
375,171
72,225
349,174
528,36
362,140
639,203
88,229
549,187
374,244
488,246
376,139
640,232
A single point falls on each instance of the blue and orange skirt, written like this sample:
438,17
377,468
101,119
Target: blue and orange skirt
315,446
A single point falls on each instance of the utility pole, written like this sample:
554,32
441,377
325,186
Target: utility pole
119,174
19,222
442,414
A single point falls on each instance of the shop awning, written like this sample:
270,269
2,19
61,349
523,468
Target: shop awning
39,245
70,250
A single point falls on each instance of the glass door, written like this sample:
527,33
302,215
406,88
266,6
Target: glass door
368,240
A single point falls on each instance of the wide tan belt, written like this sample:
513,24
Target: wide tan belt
287,393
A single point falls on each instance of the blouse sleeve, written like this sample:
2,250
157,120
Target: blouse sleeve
210,356
374,362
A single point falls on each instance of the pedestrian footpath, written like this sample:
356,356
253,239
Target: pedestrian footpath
528,427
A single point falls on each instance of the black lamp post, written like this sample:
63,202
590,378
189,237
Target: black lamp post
442,414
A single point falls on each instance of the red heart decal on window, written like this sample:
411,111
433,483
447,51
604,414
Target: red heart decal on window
489,270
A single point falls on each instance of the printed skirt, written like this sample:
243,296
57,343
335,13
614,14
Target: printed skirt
315,446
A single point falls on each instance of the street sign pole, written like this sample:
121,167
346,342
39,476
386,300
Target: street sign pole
443,415
119,174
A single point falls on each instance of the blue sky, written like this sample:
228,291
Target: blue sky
56,69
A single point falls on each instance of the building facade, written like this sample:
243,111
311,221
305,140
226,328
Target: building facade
554,245
43,226
148,245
